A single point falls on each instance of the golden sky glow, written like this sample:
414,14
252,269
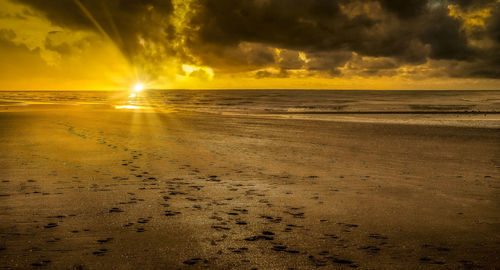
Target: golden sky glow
95,45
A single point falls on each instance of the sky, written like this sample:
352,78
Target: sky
256,44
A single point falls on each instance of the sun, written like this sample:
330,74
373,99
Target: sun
138,87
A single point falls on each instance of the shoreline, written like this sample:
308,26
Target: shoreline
489,120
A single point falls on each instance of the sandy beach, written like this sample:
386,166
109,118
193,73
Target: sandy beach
91,189
251,134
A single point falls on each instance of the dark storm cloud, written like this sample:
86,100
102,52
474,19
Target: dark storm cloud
121,20
127,15
410,32
282,73
328,61
405,9
315,25
290,60
289,24
494,24
444,34
472,3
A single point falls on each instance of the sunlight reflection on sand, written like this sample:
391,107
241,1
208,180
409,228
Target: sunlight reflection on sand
128,107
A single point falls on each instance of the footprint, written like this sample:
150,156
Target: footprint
115,210
295,215
243,211
100,252
281,248
220,228
371,249
144,220
258,237
429,260
343,261
169,213
50,225
377,236
102,241
239,250
41,263
192,261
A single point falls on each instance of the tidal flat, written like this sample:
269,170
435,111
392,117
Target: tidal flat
176,186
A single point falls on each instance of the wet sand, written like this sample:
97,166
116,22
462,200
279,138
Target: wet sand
138,190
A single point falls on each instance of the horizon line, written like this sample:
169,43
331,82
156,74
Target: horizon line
230,89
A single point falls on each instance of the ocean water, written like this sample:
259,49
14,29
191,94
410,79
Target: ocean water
458,108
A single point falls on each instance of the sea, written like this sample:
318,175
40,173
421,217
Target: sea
470,108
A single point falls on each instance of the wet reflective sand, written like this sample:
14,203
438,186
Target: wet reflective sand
94,187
